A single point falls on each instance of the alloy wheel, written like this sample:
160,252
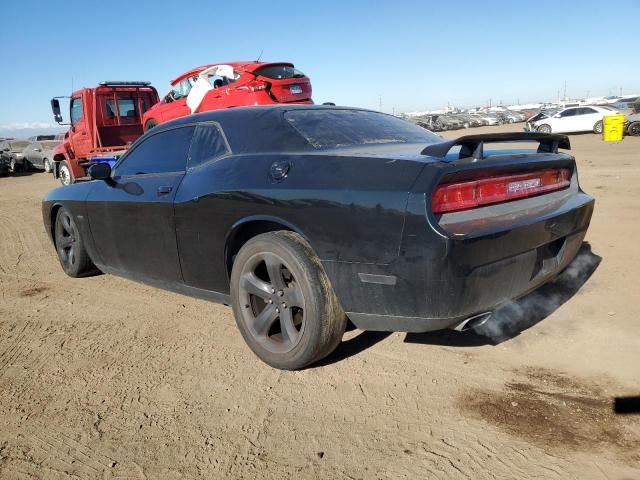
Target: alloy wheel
273,303
66,239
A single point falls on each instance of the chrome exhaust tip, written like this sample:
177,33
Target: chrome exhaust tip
472,322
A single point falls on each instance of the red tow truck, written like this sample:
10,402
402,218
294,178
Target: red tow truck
104,122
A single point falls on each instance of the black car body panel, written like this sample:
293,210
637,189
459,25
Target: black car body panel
365,210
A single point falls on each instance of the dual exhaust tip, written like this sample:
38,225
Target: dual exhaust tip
472,322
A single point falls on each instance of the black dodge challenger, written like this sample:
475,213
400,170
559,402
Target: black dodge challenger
301,217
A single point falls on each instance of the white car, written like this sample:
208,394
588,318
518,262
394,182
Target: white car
574,119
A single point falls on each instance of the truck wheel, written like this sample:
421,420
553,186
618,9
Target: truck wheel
73,256
64,173
634,129
47,165
597,128
150,124
283,302
544,128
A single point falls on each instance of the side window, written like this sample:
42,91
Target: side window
76,110
163,152
569,112
208,144
588,111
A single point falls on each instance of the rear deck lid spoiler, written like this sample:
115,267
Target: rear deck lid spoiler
472,146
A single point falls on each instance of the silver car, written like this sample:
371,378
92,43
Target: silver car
39,155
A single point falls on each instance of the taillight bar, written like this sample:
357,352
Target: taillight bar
453,197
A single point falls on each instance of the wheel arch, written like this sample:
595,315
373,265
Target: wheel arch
244,230
53,215
55,167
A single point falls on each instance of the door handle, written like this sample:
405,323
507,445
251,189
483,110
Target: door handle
164,189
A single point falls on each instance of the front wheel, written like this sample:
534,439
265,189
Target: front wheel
597,128
64,173
544,129
283,302
73,256
634,129
47,165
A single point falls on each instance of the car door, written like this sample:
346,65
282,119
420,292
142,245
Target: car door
196,219
79,135
589,117
33,153
132,215
564,121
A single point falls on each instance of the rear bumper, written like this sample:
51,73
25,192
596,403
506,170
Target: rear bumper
438,282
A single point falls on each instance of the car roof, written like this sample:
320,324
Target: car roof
246,65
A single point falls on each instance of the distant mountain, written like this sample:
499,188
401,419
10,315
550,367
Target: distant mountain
29,129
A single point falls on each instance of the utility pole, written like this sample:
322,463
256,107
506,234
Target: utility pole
380,102
564,95
620,91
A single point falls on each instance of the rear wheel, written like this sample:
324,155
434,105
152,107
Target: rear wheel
283,302
46,163
150,124
634,129
13,166
70,247
597,128
544,128
64,173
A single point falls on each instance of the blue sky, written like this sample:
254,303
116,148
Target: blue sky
413,54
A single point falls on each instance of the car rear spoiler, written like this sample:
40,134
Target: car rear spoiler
472,146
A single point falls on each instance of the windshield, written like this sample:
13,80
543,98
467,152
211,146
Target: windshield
341,128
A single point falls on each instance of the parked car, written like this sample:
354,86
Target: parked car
490,118
632,125
39,155
217,86
39,138
574,119
266,209
11,152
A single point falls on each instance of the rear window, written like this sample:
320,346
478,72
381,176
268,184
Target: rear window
279,72
126,106
343,128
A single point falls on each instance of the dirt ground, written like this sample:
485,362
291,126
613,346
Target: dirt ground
105,378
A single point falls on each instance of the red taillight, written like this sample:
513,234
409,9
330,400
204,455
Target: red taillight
254,86
452,197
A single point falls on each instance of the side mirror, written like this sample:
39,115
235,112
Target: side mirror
55,108
100,171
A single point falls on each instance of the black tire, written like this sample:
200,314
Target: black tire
150,124
64,174
274,269
544,128
46,165
72,254
634,129
26,165
597,128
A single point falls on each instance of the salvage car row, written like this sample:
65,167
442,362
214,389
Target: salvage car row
35,153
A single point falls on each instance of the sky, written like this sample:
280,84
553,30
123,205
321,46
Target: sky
397,55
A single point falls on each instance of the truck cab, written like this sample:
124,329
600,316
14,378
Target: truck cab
104,122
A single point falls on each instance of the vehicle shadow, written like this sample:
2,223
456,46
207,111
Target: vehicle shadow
519,315
506,323
22,173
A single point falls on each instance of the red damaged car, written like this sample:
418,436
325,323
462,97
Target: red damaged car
235,84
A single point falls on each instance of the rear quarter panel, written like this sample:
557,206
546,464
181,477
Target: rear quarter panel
350,209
